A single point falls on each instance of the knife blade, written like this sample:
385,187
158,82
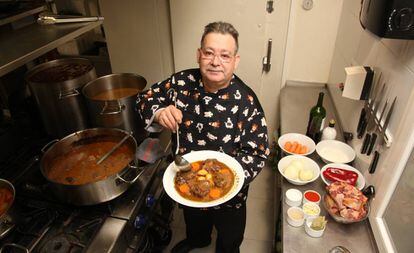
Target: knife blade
371,120
374,162
372,110
363,114
388,118
376,126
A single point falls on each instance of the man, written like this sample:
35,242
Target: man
215,111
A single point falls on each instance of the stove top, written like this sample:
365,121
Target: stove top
40,223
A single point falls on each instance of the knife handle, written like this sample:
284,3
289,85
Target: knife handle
372,143
373,165
363,128
365,143
361,118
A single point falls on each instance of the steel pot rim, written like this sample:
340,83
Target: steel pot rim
45,65
93,82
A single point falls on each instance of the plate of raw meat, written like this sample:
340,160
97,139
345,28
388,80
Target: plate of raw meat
347,204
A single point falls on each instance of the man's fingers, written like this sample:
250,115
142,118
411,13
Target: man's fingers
177,114
169,117
169,120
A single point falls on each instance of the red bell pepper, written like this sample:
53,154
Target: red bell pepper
341,175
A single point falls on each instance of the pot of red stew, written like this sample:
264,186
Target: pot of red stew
7,194
70,165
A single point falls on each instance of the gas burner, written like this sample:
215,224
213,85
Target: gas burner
63,243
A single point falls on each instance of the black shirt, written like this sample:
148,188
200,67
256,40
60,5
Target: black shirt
230,121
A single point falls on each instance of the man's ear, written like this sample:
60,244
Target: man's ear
198,55
236,61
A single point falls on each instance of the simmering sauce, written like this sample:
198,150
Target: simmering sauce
79,166
116,93
6,197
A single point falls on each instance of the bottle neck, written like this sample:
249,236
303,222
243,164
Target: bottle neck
320,99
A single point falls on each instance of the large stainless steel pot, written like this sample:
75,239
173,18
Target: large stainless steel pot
95,192
115,113
56,87
7,218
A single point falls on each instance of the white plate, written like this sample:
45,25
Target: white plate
233,164
360,184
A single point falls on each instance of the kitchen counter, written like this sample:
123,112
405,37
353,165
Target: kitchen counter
296,101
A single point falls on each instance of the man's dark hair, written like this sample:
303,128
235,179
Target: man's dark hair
223,28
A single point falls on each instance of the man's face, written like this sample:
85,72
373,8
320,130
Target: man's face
217,60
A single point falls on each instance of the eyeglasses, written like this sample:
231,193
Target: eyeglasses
207,54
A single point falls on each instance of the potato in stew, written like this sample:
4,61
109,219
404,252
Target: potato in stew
206,181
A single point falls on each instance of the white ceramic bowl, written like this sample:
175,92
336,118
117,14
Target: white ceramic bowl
360,184
333,151
300,138
312,232
312,206
308,163
293,197
291,220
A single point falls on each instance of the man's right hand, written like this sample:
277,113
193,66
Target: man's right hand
169,117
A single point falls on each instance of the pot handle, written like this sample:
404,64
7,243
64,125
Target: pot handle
107,107
45,147
129,181
13,245
68,93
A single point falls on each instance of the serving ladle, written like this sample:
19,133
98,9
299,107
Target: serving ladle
180,163
114,148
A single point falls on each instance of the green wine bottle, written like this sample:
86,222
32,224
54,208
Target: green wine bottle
316,120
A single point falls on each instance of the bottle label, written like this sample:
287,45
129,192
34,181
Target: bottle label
315,128
322,124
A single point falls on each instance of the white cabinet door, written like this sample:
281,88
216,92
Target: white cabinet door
255,26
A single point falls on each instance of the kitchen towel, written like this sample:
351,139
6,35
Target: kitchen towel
358,82
150,150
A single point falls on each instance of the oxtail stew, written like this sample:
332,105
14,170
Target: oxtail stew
207,180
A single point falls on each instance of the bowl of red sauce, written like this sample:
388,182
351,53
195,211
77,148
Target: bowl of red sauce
311,196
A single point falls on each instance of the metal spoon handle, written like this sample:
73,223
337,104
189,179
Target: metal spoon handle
176,128
113,149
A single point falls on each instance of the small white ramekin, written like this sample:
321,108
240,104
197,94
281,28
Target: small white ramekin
293,197
310,231
292,221
305,200
314,205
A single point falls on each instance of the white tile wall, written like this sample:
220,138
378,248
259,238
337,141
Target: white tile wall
348,36
311,40
394,58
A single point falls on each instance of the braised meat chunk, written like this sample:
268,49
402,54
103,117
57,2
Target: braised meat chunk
211,165
206,181
200,188
222,179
